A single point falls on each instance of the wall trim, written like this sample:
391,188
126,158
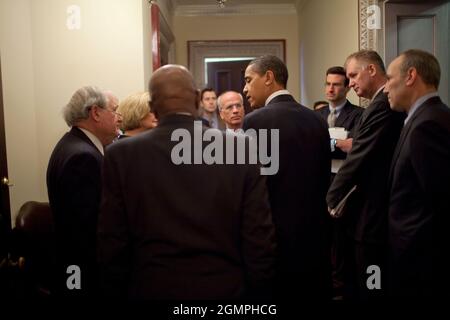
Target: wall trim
237,10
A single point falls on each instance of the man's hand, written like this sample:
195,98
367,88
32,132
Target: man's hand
344,145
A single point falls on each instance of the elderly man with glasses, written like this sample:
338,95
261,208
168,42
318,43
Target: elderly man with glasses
231,108
73,183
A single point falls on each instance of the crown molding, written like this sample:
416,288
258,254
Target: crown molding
236,10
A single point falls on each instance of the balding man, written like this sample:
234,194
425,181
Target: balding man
73,183
231,109
156,239
419,194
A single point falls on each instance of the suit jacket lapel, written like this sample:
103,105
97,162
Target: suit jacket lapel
405,131
343,115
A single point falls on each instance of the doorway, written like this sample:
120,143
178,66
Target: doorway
5,212
225,74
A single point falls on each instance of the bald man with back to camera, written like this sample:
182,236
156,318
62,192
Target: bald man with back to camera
156,239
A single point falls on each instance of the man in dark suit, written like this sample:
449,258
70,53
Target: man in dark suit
343,114
367,167
73,183
208,109
340,112
157,240
419,181
297,191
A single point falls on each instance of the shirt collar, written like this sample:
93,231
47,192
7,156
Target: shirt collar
418,103
276,94
338,108
376,93
237,131
94,140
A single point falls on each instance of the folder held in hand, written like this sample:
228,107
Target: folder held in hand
337,211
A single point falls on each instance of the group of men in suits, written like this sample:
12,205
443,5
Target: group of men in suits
221,231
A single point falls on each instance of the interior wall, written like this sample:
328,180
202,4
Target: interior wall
241,28
20,112
328,33
45,62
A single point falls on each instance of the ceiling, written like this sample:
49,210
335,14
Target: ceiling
230,2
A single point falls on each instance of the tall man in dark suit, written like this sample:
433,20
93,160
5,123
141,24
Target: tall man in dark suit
297,191
157,240
420,175
73,183
343,114
366,166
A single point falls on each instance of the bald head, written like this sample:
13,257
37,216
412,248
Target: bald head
173,90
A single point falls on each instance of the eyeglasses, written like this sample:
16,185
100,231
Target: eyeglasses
118,114
232,106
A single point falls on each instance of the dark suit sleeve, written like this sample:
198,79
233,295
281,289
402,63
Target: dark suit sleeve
355,119
113,238
81,180
370,133
430,159
258,234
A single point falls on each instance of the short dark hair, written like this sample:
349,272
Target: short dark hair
274,64
425,63
207,89
368,56
340,71
319,103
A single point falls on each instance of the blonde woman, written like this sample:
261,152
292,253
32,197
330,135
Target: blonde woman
136,114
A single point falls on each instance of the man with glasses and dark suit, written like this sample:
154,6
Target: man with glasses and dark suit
73,183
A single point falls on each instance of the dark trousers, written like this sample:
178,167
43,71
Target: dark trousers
337,257
337,253
359,257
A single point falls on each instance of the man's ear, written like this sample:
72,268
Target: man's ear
269,78
94,113
221,116
372,69
411,76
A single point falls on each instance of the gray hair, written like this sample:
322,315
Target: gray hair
368,56
82,100
425,63
219,99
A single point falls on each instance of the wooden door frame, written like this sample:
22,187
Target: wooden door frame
4,191
199,50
